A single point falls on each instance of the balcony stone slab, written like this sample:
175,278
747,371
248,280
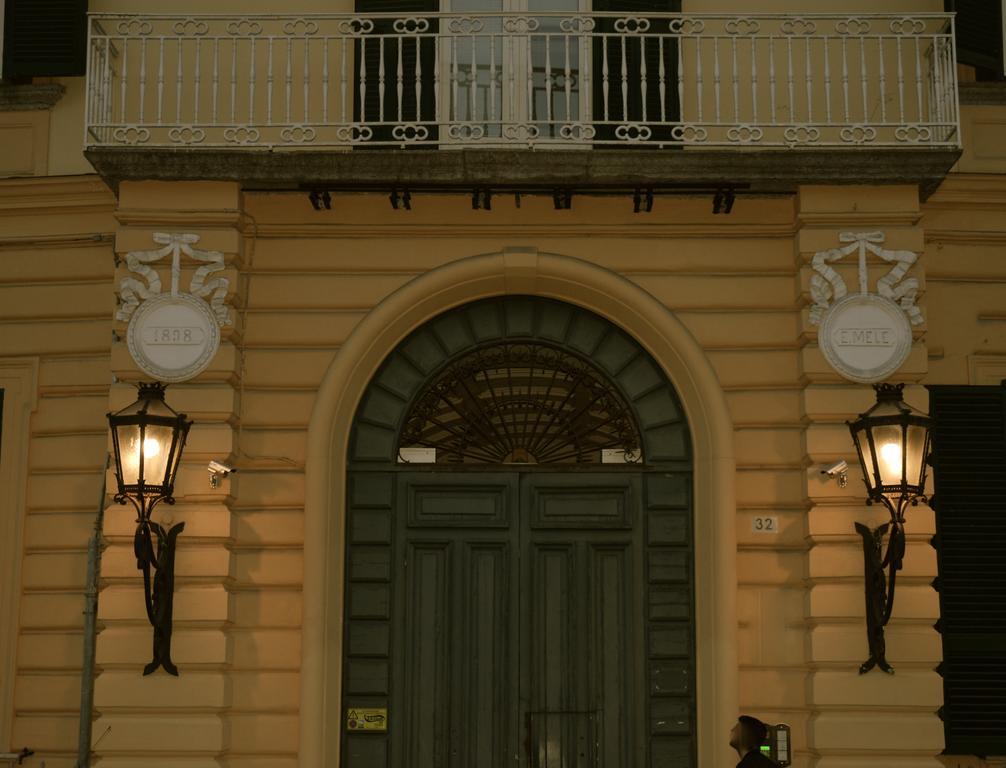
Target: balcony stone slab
759,172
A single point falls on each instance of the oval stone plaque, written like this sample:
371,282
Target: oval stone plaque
865,337
173,338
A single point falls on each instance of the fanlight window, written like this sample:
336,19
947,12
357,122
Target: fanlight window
520,404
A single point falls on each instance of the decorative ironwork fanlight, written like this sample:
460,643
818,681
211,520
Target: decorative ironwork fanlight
892,441
148,439
517,403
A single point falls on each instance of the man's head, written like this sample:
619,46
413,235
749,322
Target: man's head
749,733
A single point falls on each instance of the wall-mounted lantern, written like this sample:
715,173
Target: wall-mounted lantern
148,439
892,441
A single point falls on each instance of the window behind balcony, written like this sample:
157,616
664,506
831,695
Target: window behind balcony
394,71
646,65
515,70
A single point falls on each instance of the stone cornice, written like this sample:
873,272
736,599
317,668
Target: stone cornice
412,231
24,98
970,190
67,193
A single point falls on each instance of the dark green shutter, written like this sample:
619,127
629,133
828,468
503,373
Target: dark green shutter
979,32
369,110
969,471
44,38
632,110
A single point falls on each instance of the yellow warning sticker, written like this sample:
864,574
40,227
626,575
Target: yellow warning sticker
367,719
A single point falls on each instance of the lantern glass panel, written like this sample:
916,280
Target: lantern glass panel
156,447
915,448
128,436
863,443
887,441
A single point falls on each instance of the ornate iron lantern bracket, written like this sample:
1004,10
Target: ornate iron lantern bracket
148,438
892,442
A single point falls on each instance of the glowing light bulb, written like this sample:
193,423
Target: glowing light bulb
890,455
151,448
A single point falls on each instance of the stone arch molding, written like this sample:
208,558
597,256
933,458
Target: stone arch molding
529,272
652,417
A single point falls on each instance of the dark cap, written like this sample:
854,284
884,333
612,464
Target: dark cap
755,731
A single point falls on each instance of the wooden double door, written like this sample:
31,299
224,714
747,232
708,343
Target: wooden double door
517,621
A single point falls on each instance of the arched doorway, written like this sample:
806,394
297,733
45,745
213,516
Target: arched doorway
519,574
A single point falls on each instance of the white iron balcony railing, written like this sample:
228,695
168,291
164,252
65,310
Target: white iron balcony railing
505,79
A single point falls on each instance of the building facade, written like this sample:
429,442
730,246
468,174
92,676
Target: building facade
511,329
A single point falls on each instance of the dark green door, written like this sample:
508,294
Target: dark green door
455,623
518,631
513,597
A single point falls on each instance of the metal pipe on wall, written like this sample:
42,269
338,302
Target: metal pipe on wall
90,631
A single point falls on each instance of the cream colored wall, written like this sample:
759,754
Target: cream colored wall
303,280
308,279
981,134
966,276
56,264
24,137
738,284
337,278
19,388
863,720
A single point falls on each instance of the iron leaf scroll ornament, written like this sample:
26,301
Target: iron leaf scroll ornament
880,587
158,591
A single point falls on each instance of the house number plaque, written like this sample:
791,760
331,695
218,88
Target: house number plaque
765,525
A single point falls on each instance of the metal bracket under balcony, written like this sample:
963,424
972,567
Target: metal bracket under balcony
599,97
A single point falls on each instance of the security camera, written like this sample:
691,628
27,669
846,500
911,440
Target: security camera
839,470
218,470
836,469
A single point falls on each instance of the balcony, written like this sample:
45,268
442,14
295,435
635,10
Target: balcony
592,99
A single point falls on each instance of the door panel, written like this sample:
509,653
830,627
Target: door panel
456,536
554,657
611,575
587,502
581,619
432,504
426,649
487,695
